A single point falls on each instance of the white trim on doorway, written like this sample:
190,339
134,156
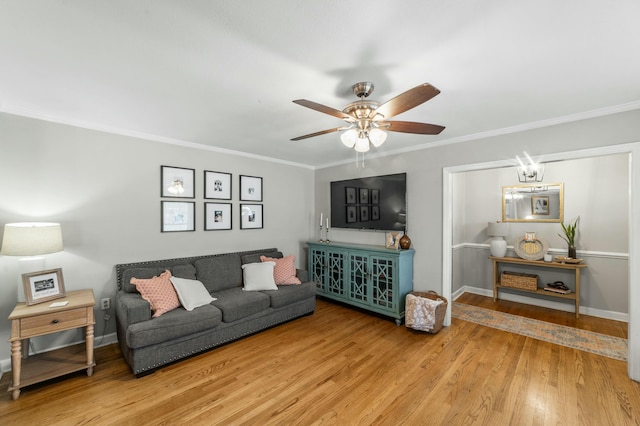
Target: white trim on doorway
633,149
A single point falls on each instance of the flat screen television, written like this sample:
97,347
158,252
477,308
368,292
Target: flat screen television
377,202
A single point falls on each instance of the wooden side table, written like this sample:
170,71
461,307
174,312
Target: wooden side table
38,320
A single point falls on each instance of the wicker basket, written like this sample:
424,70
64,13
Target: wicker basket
519,280
415,322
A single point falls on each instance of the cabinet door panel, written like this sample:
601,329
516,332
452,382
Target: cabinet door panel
383,273
358,277
335,272
318,266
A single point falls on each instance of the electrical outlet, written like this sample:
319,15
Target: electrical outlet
105,303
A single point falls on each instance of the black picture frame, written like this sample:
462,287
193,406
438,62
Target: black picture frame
177,216
250,188
217,185
350,194
364,195
375,212
364,213
352,214
375,196
251,216
218,216
177,182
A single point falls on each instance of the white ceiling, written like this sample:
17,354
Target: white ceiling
223,73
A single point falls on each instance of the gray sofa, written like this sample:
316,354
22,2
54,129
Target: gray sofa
148,343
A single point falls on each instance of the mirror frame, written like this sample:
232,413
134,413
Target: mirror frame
504,203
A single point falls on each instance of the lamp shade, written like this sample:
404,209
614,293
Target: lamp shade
31,239
498,229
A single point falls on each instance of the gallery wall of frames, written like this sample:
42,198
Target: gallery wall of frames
178,205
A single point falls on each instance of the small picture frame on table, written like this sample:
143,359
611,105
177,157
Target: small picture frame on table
178,216
217,185
251,216
217,216
250,188
177,182
43,286
393,240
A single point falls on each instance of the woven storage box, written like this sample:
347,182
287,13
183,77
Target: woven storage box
415,309
519,280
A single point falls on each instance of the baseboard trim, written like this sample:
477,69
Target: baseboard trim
552,304
107,339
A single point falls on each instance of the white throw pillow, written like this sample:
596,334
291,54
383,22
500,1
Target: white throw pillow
192,293
259,276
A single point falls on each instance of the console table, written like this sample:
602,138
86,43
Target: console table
576,267
38,320
370,277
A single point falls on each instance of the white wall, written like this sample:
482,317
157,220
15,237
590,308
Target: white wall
105,191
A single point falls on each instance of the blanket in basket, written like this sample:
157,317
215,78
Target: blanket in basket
421,312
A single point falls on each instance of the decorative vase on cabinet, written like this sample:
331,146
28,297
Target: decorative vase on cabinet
370,277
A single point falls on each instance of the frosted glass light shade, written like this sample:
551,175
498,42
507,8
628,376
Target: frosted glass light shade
362,145
31,239
349,138
377,137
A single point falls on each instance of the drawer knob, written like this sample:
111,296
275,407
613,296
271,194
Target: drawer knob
55,321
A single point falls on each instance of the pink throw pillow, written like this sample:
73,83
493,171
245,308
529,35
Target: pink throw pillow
285,270
159,292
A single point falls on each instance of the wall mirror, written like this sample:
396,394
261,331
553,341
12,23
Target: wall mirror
533,203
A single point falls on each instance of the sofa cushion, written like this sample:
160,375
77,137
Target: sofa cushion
219,272
258,276
141,273
191,293
172,325
159,292
288,294
186,271
255,257
235,303
285,270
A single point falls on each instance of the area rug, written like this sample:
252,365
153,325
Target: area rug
588,341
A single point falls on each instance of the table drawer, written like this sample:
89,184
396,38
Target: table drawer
55,321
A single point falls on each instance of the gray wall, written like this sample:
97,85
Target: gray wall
424,174
105,191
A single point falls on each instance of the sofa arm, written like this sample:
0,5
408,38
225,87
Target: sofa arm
131,308
302,275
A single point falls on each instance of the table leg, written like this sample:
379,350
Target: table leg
495,280
89,342
577,292
16,366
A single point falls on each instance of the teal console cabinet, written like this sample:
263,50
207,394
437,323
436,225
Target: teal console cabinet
369,277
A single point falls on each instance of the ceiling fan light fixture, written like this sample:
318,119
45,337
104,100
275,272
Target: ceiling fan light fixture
362,145
377,136
349,138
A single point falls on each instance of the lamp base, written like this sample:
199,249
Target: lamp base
27,265
498,247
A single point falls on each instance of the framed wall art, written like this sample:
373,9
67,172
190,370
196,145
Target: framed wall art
217,216
177,182
364,195
251,216
540,204
217,185
43,286
350,195
178,216
375,196
352,214
250,188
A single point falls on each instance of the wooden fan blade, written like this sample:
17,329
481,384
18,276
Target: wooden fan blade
325,109
405,101
411,127
322,132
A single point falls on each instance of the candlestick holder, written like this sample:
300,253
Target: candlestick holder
321,240
327,240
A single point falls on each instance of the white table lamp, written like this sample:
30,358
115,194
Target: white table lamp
30,239
498,245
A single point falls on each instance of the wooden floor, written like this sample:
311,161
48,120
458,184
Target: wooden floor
343,367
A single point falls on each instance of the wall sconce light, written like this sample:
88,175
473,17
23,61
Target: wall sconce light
31,240
531,172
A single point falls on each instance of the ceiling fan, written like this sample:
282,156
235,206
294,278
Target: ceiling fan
367,120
